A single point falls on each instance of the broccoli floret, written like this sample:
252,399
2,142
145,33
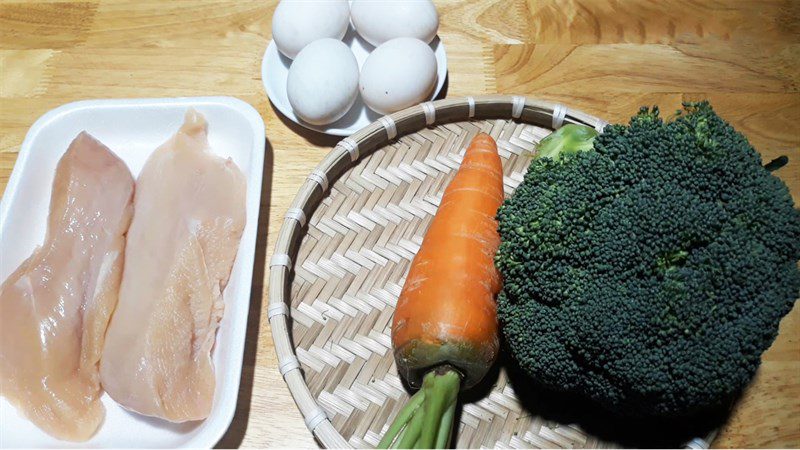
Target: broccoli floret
650,273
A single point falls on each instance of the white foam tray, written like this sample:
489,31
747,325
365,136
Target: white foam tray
133,129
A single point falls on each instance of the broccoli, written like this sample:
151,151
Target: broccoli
650,272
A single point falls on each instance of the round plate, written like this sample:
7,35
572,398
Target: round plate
275,69
341,259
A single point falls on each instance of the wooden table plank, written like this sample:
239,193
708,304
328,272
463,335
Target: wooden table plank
706,67
661,22
606,57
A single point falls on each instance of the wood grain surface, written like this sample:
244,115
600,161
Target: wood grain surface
606,57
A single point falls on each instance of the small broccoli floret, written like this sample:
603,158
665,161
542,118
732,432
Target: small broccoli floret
651,273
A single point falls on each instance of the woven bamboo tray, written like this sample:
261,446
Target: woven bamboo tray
342,256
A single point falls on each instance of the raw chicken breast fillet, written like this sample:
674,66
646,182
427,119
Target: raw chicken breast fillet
189,214
55,308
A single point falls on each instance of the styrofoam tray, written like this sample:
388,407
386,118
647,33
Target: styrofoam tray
133,129
275,71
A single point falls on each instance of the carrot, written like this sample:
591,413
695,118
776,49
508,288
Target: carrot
444,331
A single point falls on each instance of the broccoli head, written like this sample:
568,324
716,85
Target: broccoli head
650,272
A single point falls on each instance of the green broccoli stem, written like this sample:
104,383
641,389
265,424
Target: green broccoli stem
567,140
777,163
427,420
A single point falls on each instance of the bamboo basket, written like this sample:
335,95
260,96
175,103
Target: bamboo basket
343,252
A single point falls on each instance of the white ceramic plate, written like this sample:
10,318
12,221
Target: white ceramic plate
133,129
275,70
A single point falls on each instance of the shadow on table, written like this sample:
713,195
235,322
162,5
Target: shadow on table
312,136
637,432
569,409
233,437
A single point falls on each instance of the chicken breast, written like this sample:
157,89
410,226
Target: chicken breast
189,214
55,308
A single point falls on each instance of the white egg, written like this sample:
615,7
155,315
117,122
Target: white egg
398,74
297,23
378,21
323,81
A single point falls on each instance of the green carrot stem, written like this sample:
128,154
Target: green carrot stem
427,420
411,434
441,390
401,420
396,443
446,426
434,409
398,438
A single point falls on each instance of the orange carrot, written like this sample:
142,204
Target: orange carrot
445,331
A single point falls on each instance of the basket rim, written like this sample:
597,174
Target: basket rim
343,156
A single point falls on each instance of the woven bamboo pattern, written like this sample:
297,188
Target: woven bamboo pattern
342,257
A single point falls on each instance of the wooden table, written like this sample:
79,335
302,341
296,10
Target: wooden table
604,57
